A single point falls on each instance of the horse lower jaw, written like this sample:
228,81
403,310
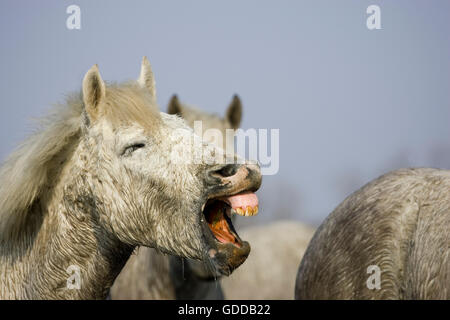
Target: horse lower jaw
228,257
225,256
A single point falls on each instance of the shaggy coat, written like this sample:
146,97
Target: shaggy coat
397,224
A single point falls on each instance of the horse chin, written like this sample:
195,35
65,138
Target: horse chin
229,257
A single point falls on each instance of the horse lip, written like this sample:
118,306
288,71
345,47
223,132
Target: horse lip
221,193
250,181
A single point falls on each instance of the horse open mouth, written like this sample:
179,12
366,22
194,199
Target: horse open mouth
218,213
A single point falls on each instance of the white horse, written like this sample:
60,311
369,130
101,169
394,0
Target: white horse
105,174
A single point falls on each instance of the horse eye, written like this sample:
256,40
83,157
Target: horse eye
130,149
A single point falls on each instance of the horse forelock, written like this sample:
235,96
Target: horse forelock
129,103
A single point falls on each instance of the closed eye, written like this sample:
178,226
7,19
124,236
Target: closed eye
131,148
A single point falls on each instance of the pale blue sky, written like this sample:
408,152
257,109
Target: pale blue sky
350,103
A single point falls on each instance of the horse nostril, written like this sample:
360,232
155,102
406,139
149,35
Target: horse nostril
226,171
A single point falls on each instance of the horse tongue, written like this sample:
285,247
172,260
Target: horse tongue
244,204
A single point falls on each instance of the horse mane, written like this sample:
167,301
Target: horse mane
25,174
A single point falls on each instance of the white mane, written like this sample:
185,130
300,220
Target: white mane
25,172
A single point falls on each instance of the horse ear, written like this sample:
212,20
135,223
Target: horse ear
93,91
175,106
234,112
146,79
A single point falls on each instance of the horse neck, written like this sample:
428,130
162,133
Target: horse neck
64,242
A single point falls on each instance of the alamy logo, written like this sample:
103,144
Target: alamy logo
74,280
258,148
252,144
374,20
374,281
73,21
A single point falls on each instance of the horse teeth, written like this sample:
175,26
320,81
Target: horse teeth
239,211
247,212
203,207
253,210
